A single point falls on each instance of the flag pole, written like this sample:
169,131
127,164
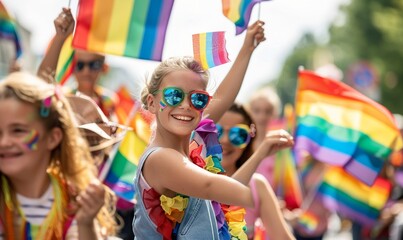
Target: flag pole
69,3
258,10
258,18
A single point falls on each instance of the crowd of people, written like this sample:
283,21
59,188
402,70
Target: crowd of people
207,172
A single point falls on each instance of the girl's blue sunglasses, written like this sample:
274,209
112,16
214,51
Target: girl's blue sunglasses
173,96
238,135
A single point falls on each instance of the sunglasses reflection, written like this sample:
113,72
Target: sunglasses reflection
238,135
173,96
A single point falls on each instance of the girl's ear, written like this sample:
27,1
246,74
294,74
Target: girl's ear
54,138
152,104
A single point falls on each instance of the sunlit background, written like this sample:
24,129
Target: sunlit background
286,22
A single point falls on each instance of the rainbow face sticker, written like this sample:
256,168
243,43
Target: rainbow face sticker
162,105
31,140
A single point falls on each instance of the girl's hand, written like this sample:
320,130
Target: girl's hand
274,141
254,35
89,202
64,23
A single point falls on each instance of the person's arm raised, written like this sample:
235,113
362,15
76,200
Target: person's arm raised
228,89
64,25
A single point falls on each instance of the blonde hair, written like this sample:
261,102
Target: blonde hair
270,95
70,160
171,65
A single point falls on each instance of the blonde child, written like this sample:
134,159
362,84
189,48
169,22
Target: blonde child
47,175
173,198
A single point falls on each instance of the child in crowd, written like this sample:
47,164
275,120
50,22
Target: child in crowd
170,205
49,187
235,131
88,68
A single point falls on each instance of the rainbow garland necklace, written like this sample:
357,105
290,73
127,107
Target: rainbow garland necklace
206,152
54,224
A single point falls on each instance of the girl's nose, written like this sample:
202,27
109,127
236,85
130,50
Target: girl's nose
185,103
5,141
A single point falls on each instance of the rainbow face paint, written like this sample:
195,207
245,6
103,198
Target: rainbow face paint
162,105
31,140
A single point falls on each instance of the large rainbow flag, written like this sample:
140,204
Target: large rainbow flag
8,29
338,125
239,11
209,49
66,62
345,194
131,28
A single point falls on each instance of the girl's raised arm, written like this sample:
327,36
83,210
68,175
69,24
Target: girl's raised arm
228,89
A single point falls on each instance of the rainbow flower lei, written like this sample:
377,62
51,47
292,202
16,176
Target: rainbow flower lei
206,152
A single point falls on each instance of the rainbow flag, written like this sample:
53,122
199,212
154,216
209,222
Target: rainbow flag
66,62
238,11
338,125
124,166
8,29
286,179
131,28
351,198
141,122
209,49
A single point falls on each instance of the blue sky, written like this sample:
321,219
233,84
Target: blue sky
286,21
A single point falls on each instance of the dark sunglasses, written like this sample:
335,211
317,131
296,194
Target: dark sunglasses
95,65
238,135
173,96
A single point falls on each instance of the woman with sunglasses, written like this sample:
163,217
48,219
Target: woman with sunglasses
236,131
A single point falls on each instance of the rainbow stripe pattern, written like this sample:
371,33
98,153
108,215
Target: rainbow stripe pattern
308,221
124,166
345,194
340,126
132,28
66,62
8,29
287,180
31,140
209,49
239,11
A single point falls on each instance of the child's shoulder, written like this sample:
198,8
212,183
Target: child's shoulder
163,156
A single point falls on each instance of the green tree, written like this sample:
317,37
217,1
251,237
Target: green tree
365,30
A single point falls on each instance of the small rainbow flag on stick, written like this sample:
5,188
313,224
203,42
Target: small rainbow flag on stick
345,194
66,62
209,49
8,29
338,125
129,28
239,11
